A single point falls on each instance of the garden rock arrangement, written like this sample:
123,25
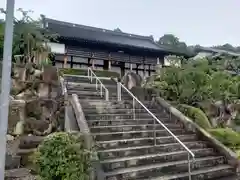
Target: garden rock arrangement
36,110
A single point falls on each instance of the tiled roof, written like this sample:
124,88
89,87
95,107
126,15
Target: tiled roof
71,30
215,50
81,32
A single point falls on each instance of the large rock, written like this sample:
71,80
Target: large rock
19,174
29,142
16,114
12,160
131,80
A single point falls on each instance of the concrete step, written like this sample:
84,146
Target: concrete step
154,158
164,169
82,79
127,115
149,149
102,105
129,122
226,177
29,142
218,172
79,89
103,136
98,98
95,97
130,128
94,101
83,85
116,110
123,143
88,93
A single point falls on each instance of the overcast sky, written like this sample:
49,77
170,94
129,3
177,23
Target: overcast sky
205,22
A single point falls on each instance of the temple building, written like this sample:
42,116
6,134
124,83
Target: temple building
80,46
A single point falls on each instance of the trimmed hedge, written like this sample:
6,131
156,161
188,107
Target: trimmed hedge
196,114
62,156
84,72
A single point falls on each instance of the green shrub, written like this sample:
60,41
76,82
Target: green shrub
227,136
84,72
62,156
237,119
196,114
238,153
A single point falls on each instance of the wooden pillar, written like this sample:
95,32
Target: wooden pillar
93,63
109,62
144,70
158,66
65,61
71,62
52,58
158,61
149,70
131,66
122,67
89,62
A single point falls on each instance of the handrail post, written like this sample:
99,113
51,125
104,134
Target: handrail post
154,131
134,114
119,93
91,74
189,167
107,94
91,78
101,90
96,84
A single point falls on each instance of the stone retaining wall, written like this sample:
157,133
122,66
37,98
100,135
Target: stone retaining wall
176,115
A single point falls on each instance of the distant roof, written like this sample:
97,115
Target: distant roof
82,32
214,50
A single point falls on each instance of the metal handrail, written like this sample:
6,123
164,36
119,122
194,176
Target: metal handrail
120,85
90,76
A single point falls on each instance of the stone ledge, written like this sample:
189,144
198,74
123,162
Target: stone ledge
84,129
17,103
190,125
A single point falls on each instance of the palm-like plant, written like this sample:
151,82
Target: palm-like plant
30,39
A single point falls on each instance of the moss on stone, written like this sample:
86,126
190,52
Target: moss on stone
227,136
196,114
84,72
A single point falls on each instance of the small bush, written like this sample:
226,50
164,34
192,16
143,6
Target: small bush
61,156
237,119
227,136
196,114
84,72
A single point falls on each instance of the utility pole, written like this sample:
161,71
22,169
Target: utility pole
6,82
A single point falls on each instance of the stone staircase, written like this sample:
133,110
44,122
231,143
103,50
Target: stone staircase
126,145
